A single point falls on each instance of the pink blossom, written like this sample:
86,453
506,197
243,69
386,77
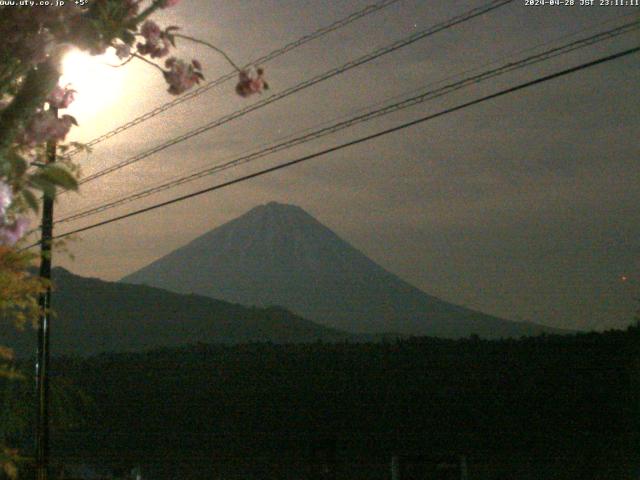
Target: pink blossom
123,51
61,97
250,83
45,126
181,76
6,196
11,233
151,31
156,42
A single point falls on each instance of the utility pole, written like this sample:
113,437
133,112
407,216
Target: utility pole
42,361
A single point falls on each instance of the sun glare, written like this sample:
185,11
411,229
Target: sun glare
98,84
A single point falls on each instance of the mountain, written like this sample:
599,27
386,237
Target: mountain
278,254
93,316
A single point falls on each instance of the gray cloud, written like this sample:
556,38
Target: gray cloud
525,207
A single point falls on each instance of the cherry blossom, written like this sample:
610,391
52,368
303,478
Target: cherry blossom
156,42
61,97
181,76
44,126
123,51
250,83
151,31
11,233
5,198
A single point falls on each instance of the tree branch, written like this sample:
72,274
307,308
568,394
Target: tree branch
213,47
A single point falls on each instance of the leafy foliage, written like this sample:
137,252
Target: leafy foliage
18,288
34,41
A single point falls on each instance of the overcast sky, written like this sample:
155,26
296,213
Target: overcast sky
526,207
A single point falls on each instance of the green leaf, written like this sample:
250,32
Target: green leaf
31,200
41,183
80,146
59,176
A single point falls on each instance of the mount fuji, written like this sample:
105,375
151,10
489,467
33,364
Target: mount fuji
278,254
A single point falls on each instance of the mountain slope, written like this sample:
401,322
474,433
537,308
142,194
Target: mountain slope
278,254
94,316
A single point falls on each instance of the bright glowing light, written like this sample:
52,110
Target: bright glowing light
98,84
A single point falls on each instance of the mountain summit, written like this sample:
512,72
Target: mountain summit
278,254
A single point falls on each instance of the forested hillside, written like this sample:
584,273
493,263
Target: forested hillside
547,407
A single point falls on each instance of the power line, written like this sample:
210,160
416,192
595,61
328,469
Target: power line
475,12
354,142
415,100
295,135
308,83
368,10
